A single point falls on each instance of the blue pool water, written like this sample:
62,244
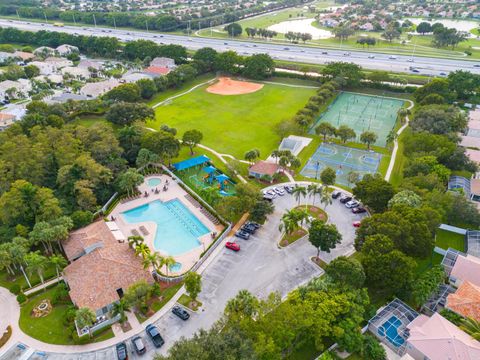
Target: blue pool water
152,182
178,229
175,267
389,329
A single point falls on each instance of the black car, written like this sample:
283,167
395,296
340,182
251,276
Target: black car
181,312
248,228
154,334
359,210
121,351
254,224
345,199
336,194
242,235
138,345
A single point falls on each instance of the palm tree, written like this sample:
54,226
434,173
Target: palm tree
168,261
85,317
313,190
325,197
59,262
252,155
152,259
6,261
142,249
119,308
36,263
276,154
135,240
290,221
472,327
298,192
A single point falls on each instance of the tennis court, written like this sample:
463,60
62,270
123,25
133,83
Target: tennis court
343,160
363,113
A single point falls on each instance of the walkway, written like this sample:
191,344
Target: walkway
395,144
183,93
37,288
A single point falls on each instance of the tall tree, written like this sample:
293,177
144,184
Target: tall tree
36,263
374,192
193,284
324,237
328,176
368,137
192,138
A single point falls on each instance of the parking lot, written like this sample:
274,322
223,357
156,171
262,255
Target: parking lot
260,267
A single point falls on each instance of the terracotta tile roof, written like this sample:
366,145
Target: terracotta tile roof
95,277
24,55
158,70
466,301
264,168
438,338
467,268
80,240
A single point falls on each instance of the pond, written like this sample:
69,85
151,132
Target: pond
460,25
302,26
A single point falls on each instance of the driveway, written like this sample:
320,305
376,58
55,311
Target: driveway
260,267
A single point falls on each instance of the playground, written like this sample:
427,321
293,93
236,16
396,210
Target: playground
200,174
363,113
343,160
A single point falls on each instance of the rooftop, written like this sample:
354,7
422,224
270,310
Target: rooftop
264,168
157,70
465,301
467,268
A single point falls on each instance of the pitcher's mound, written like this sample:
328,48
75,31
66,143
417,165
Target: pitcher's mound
227,86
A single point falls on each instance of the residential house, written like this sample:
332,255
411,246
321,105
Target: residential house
163,62
55,79
5,57
465,301
64,97
464,268
43,51
96,89
6,120
65,49
25,56
262,169
21,86
437,338
76,72
101,268
135,76
156,71
58,62
367,27
85,63
45,68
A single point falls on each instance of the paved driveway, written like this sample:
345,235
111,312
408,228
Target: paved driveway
260,267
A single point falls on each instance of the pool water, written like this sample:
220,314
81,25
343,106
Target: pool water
389,329
152,182
178,229
175,267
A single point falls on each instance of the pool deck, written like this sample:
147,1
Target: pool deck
174,191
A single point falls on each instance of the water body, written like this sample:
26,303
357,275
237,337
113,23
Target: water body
302,26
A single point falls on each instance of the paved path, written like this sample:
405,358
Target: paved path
42,286
183,93
395,144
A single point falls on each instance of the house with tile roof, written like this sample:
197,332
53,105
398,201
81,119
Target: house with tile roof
101,268
465,301
96,89
163,62
437,338
263,168
156,71
466,268
66,49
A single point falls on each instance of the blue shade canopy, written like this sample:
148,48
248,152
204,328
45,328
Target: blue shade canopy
209,169
185,164
222,177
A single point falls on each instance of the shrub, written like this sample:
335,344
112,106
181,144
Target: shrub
15,289
21,298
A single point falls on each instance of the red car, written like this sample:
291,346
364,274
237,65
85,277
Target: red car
232,246
356,224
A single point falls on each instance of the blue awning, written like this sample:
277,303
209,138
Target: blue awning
221,178
209,169
185,164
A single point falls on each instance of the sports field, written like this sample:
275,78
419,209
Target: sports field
363,113
234,124
343,160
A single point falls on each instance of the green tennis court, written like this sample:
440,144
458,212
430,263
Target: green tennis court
363,113
343,160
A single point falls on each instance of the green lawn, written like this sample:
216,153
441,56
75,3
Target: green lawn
445,239
288,239
7,280
234,124
186,301
166,295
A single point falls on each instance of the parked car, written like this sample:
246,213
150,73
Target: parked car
352,204
268,197
345,198
288,188
324,52
248,228
232,246
181,312
336,194
242,235
138,345
356,224
154,334
359,210
121,350
279,191
254,224
270,192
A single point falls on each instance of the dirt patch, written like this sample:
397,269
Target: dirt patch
228,86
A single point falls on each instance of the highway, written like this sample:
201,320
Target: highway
295,53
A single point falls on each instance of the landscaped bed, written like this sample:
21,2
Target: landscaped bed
314,212
156,303
288,239
188,302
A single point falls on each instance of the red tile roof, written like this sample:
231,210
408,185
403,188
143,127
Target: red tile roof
264,168
158,70
465,301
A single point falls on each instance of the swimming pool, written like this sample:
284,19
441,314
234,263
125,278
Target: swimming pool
389,330
178,229
152,182
175,267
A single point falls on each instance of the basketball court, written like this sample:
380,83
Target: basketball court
363,113
343,160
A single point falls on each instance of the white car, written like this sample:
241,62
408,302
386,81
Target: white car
279,191
391,57
371,56
352,203
410,60
271,193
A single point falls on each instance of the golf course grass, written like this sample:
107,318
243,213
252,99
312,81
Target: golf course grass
234,124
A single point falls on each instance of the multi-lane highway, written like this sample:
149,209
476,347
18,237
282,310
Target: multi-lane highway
296,53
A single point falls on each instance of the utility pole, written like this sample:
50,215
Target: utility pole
45,15
211,29
114,23
189,24
94,20
74,22
146,24
18,16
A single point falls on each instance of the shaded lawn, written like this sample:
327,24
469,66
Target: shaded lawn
445,239
186,301
7,280
234,124
156,305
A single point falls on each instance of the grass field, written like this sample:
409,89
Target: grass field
447,239
234,124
